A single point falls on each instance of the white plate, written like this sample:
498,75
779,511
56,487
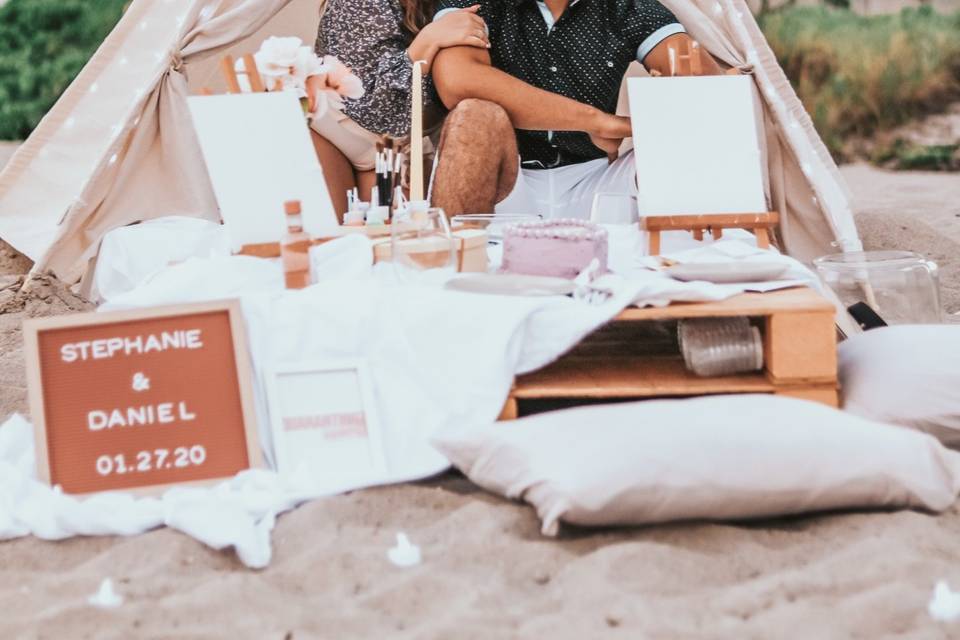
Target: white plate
509,284
728,272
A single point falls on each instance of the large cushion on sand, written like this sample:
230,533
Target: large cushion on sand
907,375
717,458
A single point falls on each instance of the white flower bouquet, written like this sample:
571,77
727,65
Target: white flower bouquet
286,64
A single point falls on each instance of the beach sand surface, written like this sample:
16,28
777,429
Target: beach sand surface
487,572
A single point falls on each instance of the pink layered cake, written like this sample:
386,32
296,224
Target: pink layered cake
557,248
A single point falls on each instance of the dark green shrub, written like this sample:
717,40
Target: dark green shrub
43,46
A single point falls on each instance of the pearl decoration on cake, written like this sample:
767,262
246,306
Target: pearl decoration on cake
561,229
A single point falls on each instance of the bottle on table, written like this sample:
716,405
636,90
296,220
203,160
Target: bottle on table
295,248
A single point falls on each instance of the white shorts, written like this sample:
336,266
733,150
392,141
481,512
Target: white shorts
567,192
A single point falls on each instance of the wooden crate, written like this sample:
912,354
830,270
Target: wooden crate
800,356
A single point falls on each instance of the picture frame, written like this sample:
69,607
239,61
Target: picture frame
324,423
214,418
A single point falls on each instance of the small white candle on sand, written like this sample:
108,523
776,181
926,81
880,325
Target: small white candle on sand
105,597
416,133
405,554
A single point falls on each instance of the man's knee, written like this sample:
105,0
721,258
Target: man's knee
476,114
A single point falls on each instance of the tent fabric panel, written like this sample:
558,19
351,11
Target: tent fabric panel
48,173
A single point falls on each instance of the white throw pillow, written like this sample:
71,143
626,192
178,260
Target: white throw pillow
907,375
715,458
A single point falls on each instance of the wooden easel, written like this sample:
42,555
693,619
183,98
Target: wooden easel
714,223
231,75
685,59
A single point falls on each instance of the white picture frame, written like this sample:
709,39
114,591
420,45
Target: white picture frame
324,423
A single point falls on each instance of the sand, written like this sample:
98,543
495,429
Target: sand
487,572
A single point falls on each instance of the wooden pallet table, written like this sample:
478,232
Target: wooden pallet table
800,355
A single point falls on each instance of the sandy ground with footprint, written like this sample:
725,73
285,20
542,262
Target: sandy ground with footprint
487,573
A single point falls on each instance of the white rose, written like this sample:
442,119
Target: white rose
277,56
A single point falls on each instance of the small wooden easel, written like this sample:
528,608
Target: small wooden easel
714,223
230,74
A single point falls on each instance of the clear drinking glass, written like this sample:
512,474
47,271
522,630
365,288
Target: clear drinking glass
901,286
494,223
614,208
617,213
421,241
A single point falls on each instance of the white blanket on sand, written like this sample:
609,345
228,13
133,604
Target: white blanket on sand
437,358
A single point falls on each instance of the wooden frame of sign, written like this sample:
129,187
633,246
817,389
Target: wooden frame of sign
142,400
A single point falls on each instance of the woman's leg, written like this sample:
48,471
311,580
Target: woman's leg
337,171
366,180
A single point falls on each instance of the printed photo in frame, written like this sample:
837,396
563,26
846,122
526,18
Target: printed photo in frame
324,423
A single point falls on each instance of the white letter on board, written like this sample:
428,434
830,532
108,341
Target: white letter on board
68,353
152,344
96,420
193,339
185,413
116,419
165,412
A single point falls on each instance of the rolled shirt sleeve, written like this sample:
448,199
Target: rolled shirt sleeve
648,23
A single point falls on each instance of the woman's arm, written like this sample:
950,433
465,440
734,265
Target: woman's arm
462,27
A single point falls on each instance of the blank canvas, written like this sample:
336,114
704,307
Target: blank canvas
696,145
259,155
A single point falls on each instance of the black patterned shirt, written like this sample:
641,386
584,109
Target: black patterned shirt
368,36
583,55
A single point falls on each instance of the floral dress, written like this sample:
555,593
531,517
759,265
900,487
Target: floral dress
369,37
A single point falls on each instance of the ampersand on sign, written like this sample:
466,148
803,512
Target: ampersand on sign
141,382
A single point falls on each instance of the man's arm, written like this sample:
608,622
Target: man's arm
461,73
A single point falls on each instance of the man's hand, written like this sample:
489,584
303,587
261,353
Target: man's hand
608,132
610,146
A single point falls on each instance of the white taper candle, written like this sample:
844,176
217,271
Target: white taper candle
416,133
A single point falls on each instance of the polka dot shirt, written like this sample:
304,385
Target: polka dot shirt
582,55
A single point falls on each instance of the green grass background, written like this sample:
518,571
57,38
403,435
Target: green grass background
43,46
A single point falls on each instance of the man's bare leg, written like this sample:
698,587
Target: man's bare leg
478,159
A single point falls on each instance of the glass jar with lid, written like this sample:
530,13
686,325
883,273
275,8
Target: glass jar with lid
902,287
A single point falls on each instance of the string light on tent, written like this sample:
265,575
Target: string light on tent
807,168
94,87
69,122
207,12
717,8
143,25
113,159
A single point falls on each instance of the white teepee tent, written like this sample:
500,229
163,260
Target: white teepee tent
119,146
